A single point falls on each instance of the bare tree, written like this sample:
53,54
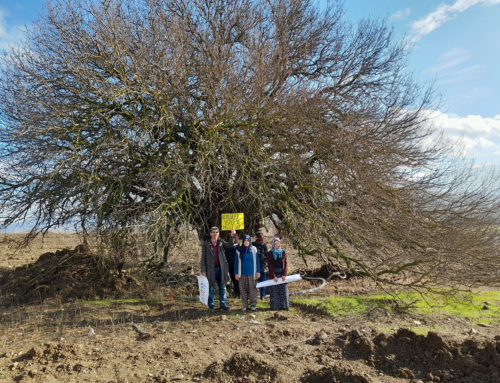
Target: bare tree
160,115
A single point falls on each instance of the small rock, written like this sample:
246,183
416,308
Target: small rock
356,334
321,336
223,318
472,331
178,377
485,307
417,322
192,331
254,322
252,316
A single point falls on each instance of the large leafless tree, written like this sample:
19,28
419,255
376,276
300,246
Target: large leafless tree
158,115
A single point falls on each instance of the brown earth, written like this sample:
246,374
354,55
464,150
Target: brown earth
46,337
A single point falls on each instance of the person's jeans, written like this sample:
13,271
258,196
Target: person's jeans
222,291
263,278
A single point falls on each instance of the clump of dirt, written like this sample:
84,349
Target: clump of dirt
51,358
247,368
338,373
434,357
67,274
323,272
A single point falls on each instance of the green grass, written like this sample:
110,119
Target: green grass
468,306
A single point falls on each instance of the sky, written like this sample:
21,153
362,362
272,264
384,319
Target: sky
456,43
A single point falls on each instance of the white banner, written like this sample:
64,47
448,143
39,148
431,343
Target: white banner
288,279
204,289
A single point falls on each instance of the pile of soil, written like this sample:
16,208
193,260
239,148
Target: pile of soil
433,358
247,368
66,274
324,271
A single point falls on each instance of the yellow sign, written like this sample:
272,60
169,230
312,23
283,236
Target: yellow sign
233,221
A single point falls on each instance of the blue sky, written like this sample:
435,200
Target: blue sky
456,43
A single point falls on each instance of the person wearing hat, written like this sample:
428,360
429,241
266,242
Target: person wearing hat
247,272
214,266
277,262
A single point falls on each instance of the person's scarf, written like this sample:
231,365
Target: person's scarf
245,249
277,253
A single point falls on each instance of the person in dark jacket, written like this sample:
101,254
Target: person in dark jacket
277,263
214,266
230,257
262,250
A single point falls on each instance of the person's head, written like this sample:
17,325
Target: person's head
276,243
259,235
214,233
246,240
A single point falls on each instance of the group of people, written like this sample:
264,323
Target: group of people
244,265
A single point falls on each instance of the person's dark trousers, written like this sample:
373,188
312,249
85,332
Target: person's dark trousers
236,284
222,291
263,277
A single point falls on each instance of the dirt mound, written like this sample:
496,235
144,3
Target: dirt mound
432,358
339,373
244,368
49,359
67,274
324,271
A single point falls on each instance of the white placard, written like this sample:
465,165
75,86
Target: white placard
204,289
288,279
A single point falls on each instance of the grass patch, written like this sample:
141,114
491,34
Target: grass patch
470,306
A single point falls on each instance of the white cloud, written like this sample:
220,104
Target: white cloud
443,13
449,59
446,70
476,135
401,14
460,75
9,35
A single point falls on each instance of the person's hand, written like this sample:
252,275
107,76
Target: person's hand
233,232
236,277
275,279
204,274
257,275
283,278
